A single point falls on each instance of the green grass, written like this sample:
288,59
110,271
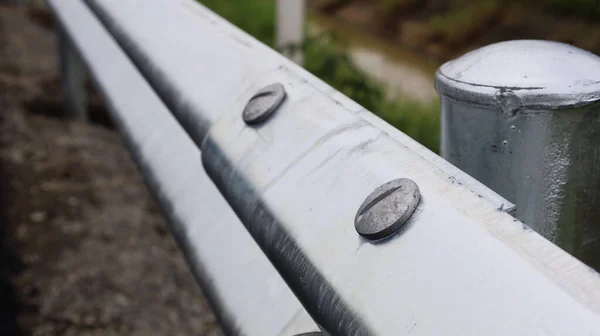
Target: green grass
419,121
325,56
256,17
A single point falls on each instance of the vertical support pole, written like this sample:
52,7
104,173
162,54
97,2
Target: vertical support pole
523,117
73,77
290,28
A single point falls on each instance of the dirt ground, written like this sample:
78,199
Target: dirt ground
84,250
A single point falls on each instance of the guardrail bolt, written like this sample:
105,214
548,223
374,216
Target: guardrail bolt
387,208
263,103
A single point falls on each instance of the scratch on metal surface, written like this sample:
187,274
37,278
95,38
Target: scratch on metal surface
246,44
513,88
459,74
360,147
322,163
413,327
327,136
330,309
588,83
194,8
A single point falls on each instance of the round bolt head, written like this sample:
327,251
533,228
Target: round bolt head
387,208
263,103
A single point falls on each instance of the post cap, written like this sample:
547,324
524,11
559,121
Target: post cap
530,74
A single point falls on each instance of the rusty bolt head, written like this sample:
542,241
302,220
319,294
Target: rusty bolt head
387,208
263,103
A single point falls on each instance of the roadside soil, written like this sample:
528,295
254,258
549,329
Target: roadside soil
83,247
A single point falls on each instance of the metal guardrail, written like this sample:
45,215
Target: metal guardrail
240,286
308,186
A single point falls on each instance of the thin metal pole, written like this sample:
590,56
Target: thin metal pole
73,78
290,28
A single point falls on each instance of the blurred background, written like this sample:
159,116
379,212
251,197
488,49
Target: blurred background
83,247
384,53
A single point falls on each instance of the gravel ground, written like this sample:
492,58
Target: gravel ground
84,250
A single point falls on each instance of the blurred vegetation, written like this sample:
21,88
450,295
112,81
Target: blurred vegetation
326,57
465,21
445,29
256,17
582,8
391,5
389,10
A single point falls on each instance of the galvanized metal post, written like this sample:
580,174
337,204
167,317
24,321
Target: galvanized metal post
73,78
290,28
523,117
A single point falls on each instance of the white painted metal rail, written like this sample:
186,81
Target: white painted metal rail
237,278
177,77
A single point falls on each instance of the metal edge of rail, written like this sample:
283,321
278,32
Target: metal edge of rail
248,295
459,265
